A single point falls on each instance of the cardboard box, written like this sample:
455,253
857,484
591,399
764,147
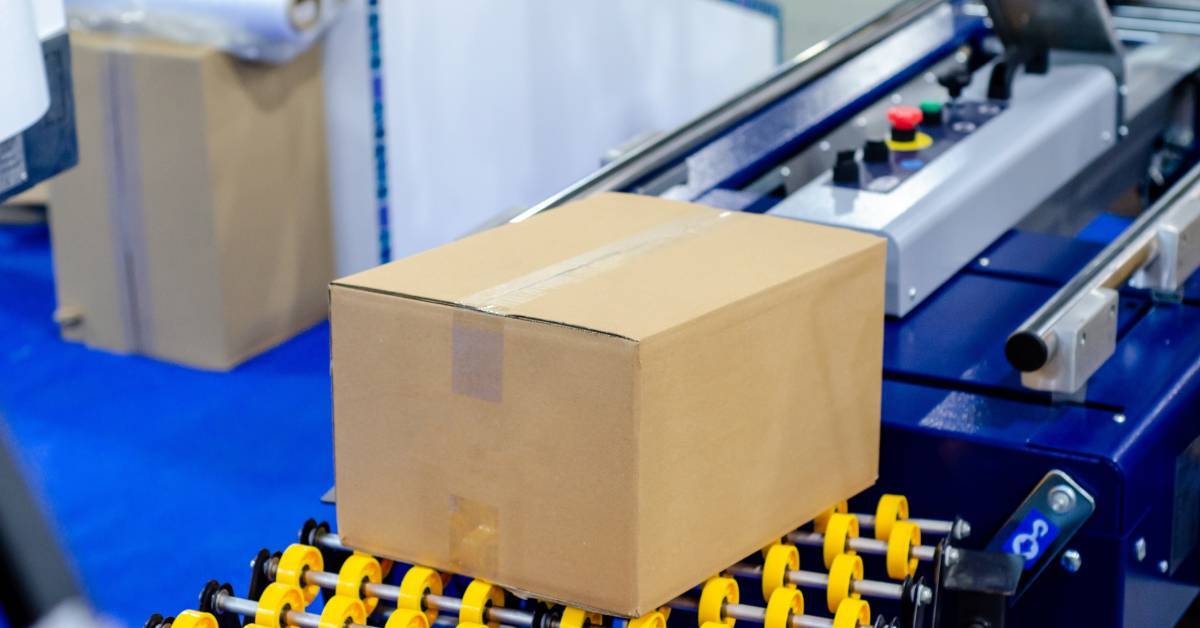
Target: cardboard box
196,227
607,403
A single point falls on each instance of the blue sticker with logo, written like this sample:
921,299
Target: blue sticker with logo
1032,537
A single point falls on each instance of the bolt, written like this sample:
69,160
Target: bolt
1061,498
1071,561
912,293
926,596
985,262
1139,549
1118,418
962,529
1163,566
952,556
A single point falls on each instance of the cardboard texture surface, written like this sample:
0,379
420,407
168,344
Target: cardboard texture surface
608,403
195,228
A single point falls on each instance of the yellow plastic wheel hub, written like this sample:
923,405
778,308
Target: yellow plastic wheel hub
480,596
821,520
717,592
359,569
276,602
194,619
891,508
841,528
407,618
783,604
852,614
418,583
900,560
653,619
780,560
341,610
845,571
295,561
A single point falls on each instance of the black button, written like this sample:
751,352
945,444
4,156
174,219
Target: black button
845,170
875,152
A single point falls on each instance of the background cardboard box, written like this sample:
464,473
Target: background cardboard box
610,402
196,227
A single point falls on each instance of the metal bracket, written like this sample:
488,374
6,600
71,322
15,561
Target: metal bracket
1082,340
1177,254
1043,524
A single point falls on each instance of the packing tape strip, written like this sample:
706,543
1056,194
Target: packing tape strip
477,359
504,297
474,537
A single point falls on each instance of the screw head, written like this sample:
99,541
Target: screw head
952,556
962,529
1118,418
1062,499
1139,549
1163,566
1071,560
985,262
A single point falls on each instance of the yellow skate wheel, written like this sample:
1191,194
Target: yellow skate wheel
359,569
821,520
418,583
407,618
783,604
296,560
653,619
846,570
277,600
780,560
900,561
852,614
841,528
574,618
341,610
194,619
480,596
717,592
891,508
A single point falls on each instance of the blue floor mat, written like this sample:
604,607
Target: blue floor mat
158,477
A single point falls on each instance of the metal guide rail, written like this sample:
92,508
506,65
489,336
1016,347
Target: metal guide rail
360,590
1069,338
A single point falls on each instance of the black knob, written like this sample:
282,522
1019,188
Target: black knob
954,81
875,152
845,170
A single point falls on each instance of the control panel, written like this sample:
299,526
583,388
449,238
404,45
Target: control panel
918,136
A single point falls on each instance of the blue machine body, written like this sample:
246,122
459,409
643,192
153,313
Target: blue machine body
961,435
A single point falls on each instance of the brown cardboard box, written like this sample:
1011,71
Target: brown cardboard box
608,403
196,227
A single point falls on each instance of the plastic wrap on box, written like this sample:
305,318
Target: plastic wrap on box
273,31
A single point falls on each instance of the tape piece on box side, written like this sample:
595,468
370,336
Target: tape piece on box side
124,173
503,298
477,361
474,537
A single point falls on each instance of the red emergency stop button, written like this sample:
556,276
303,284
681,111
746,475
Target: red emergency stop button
904,121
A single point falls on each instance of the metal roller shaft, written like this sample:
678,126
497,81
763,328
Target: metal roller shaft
930,526
862,545
509,616
816,580
752,613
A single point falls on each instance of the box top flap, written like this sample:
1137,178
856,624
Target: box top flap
622,264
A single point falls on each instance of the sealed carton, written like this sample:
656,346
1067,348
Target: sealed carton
607,403
195,228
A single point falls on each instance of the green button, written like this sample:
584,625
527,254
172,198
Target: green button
929,107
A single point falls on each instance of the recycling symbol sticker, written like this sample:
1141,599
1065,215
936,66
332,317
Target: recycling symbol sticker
1031,538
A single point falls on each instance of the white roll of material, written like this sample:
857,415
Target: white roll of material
22,69
266,30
